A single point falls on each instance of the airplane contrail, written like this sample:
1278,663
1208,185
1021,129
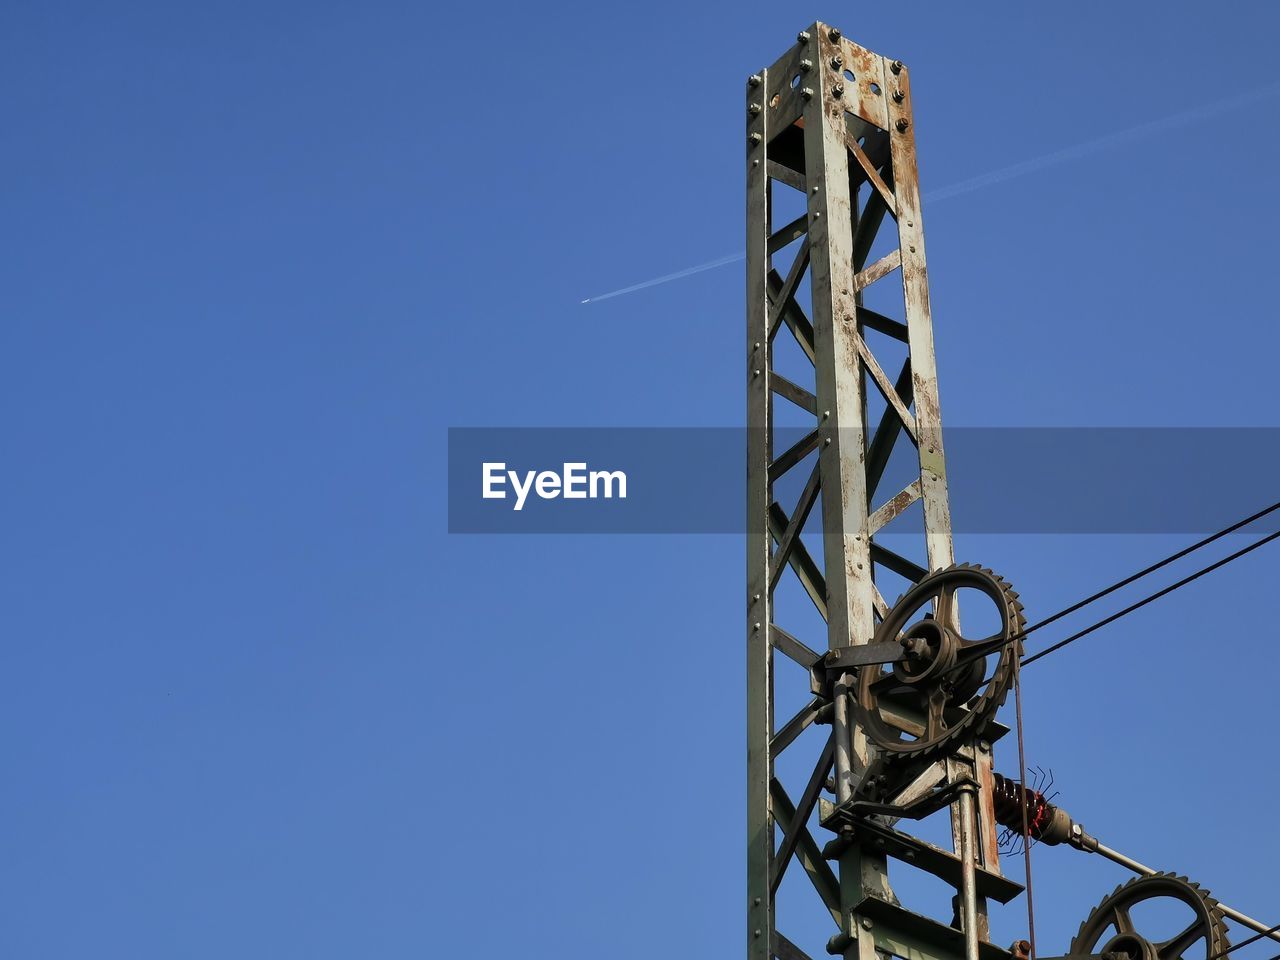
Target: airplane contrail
1020,169
668,277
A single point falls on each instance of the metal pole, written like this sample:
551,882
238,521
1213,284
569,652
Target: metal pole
968,875
840,730
1141,868
758,601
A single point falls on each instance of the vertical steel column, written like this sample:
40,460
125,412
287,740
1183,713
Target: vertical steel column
759,601
928,416
839,383
842,414
834,121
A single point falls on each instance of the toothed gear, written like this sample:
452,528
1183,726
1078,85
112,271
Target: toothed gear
956,693
1110,927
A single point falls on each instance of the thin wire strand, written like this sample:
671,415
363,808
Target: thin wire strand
1155,596
1026,826
1107,591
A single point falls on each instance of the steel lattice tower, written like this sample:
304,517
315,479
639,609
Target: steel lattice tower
834,121
907,699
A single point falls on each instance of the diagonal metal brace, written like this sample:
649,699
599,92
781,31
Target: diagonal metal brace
850,812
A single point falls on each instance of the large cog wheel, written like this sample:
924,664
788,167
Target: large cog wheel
950,686
1111,928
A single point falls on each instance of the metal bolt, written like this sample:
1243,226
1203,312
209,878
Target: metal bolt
755,163
896,66
754,80
984,746
817,215
756,901
807,93
755,373
866,923
803,36
836,63
826,442
834,34
755,598
899,95
756,346
902,124
756,625
806,65
838,90
757,933
754,138
753,109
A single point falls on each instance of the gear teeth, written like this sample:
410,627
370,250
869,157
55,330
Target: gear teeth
1090,932
991,694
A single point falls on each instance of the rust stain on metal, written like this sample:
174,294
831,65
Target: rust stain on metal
892,509
881,268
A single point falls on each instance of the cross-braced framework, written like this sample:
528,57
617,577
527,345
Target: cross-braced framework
829,129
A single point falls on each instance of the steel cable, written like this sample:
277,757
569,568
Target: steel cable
1185,551
1026,826
1146,600
1245,942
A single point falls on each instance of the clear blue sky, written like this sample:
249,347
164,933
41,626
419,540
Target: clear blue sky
258,257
